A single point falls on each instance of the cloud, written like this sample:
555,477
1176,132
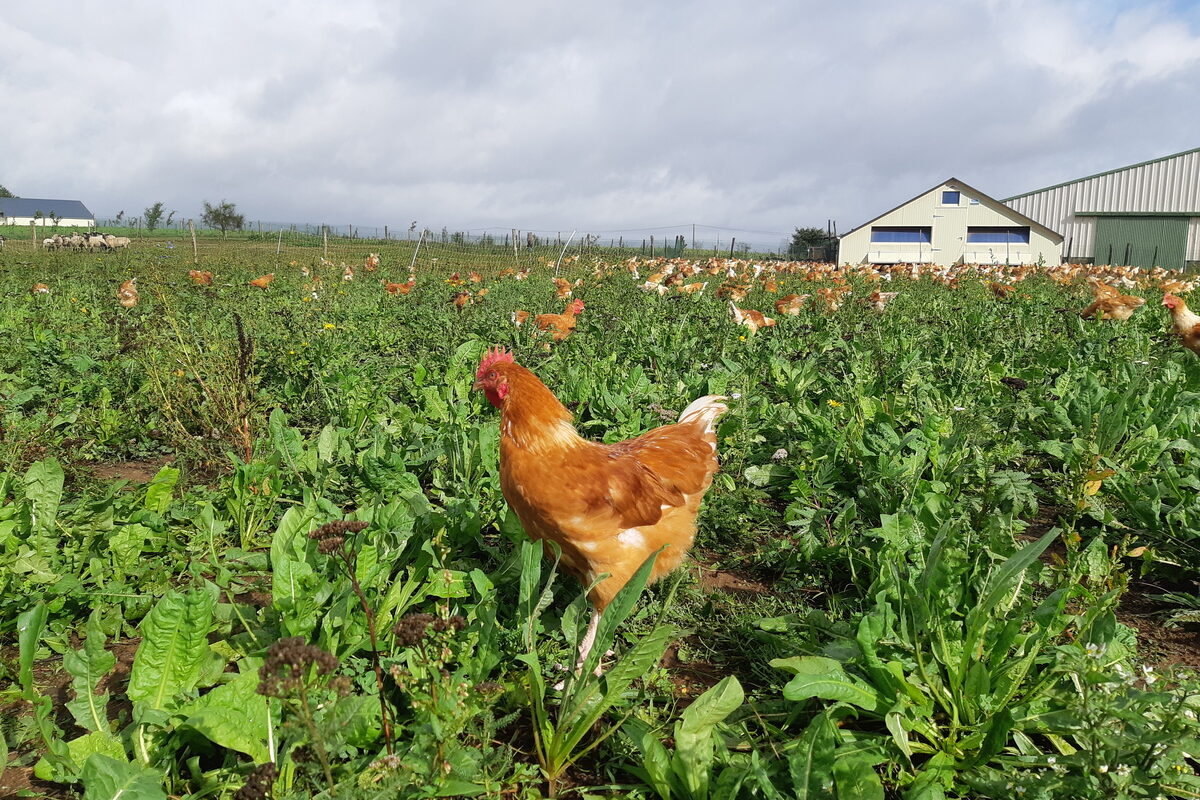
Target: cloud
547,116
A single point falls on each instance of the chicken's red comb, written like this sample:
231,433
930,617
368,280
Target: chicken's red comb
497,355
1169,299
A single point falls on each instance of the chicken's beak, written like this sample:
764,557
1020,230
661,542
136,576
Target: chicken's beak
477,385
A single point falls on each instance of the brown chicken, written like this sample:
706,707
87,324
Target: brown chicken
1187,322
1111,304
461,300
127,295
399,288
518,317
40,288
750,318
263,281
790,304
607,506
372,262
879,300
200,277
1001,291
561,325
562,288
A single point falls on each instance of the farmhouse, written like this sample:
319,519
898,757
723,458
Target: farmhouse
65,213
949,224
1143,215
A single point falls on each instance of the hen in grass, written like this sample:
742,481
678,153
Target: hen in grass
607,506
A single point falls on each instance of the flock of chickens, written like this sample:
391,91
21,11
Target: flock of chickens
735,279
606,508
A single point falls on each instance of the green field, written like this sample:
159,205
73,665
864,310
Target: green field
951,551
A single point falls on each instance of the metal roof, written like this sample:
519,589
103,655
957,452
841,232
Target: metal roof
27,206
983,198
1102,174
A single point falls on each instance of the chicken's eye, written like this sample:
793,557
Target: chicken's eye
491,375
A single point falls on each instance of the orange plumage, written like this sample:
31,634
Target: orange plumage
790,304
1186,322
40,288
607,506
562,288
263,281
200,277
751,318
1111,304
561,325
127,295
399,288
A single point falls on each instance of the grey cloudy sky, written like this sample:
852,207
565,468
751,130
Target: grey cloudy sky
607,116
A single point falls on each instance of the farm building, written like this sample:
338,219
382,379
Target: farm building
1143,215
64,213
949,224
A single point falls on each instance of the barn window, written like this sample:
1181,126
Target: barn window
901,234
998,234
950,198
974,201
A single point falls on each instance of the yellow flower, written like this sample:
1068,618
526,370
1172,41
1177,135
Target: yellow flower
741,338
291,352
834,404
178,373
84,309
307,299
72,299
329,326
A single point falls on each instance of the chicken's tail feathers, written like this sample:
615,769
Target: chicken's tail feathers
707,409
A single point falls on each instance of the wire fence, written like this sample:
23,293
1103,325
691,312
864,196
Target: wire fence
410,248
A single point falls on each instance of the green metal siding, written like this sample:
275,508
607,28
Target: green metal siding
1141,241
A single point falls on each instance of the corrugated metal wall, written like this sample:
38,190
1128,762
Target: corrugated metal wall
1141,241
1170,184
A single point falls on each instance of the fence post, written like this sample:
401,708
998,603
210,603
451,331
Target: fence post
652,245
564,251
732,242
195,250
412,265
385,233
33,234
279,244
325,238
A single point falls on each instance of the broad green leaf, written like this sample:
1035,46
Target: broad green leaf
102,742
30,625
88,666
694,735
106,778
293,579
233,715
160,490
825,678
327,443
43,489
855,777
811,762
657,765
174,646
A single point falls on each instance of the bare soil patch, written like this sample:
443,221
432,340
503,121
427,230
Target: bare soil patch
1158,645
134,471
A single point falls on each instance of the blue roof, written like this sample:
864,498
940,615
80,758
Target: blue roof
26,206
